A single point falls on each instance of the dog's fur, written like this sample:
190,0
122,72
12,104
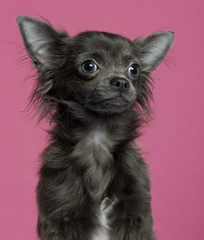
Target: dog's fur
93,181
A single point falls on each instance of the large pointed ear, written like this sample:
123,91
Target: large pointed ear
41,40
154,48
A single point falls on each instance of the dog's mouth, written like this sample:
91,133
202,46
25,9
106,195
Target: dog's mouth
114,104
118,100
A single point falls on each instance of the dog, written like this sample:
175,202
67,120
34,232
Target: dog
96,89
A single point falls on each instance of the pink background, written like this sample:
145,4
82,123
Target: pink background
173,143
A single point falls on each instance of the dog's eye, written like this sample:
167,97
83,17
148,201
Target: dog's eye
133,70
89,66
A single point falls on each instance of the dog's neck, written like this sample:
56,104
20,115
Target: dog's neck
93,139
79,124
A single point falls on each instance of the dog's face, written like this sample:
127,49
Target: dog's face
103,72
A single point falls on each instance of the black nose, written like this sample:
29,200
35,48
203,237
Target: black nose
120,84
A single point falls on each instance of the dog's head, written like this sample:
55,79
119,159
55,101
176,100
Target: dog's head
103,72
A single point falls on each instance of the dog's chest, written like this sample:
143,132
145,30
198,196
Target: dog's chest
98,158
94,153
100,146
102,232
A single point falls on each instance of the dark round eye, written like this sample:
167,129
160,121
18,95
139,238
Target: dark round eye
133,70
89,66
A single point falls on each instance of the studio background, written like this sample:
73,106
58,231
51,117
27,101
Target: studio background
173,143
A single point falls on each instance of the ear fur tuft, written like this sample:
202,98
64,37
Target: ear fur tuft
39,39
154,48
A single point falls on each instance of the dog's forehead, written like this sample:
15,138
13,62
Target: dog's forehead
105,46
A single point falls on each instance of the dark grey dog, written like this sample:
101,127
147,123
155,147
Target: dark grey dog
95,88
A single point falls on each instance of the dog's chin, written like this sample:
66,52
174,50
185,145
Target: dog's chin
109,106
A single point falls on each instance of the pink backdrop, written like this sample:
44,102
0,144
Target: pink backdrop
173,143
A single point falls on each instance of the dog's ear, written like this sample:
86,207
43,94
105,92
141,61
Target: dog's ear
41,40
154,48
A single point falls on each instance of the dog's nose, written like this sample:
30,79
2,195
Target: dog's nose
120,84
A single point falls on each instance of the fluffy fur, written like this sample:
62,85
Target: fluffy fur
95,88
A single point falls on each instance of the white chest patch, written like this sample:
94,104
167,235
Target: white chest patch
103,231
99,138
100,145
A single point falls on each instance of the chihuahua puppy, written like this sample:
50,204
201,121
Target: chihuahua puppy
95,88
